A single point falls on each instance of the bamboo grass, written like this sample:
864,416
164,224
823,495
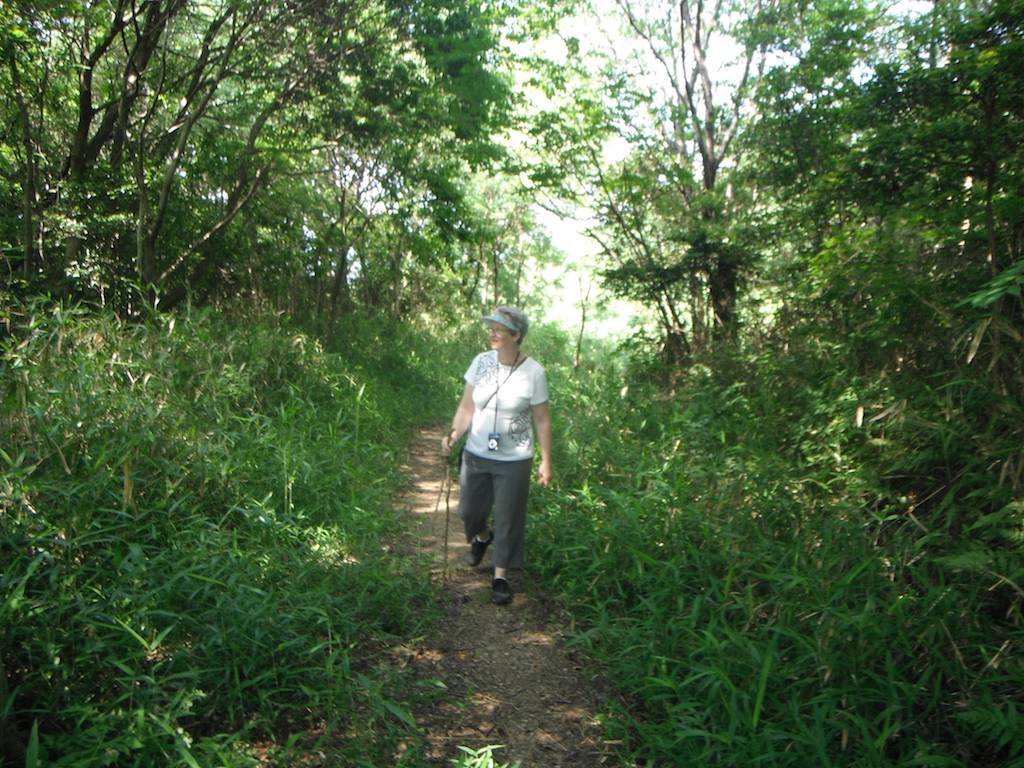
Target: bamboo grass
193,519
736,561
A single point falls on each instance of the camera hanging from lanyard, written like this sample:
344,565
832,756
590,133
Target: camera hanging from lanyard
494,437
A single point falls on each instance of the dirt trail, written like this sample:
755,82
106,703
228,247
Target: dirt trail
512,681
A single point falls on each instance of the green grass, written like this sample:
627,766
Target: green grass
195,517
196,528
737,559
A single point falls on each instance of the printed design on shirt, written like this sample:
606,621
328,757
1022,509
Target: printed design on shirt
486,373
520,429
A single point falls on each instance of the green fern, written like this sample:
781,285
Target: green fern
1002,726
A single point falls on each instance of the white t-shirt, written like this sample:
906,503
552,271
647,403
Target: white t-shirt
517,392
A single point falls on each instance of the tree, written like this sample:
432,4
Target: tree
670,213
160,124
703,117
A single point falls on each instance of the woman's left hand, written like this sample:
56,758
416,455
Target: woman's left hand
542,417
544,474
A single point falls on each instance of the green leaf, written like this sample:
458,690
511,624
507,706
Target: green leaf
935,760
973,560
762,683
399,712
32,751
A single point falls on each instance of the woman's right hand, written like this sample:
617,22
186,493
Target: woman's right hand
461,423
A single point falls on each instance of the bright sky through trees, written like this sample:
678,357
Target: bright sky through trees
602,37
578,274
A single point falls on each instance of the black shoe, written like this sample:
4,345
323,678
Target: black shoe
476,551
501,593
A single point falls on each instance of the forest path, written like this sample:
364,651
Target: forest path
511,680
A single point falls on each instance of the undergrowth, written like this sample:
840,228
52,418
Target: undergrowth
195,521
772,578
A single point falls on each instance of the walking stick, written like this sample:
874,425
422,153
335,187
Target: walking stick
446,491
447,510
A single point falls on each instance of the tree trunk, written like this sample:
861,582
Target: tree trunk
577,357
722,284
990,170
397,259
494,268
29,184
339,290
144,245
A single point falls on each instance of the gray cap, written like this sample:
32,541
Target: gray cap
511,317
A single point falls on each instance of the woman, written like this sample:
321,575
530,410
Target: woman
506,392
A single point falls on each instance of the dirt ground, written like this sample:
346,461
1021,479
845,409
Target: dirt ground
507,670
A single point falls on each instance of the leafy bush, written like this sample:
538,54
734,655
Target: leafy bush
743,557
193,524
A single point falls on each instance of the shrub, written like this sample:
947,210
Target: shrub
193,532
743,559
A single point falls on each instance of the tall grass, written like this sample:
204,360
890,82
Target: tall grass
194,524
745,562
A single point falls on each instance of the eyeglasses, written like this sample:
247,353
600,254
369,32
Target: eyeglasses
497,330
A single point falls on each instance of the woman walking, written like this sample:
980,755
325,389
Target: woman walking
506,393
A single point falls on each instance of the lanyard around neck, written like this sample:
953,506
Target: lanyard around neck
494,395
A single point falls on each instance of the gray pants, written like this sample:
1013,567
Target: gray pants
505,485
